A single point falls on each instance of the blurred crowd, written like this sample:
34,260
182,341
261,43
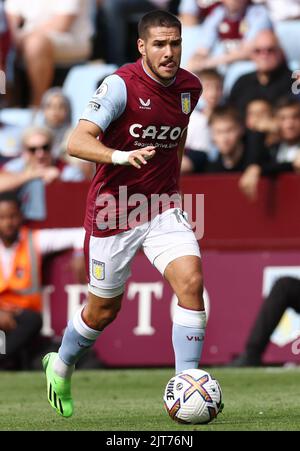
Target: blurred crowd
247,121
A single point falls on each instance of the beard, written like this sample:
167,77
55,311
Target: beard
163,79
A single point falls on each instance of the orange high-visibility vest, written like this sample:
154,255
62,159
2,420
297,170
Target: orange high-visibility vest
22,289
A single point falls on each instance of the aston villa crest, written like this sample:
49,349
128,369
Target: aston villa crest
98,270
186,102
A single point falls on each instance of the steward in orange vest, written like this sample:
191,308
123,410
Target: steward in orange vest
22,289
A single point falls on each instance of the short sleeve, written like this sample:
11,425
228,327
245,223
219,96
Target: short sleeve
108,102
258,19
188,7
209,32
15,165
66,6
12,7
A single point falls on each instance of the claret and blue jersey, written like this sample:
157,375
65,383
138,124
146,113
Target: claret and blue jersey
133,110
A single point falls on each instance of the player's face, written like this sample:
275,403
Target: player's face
161,52
289,123
10,221
226,135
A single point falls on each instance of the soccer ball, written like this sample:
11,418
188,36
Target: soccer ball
193,396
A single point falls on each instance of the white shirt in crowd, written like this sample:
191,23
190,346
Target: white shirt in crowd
199,134
282,9
288,153
48,241
35,12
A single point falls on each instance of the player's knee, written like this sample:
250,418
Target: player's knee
99,318
192,285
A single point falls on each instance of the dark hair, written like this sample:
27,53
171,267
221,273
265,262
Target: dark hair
259,99
226,112
157,18
10,196
211,74
287,102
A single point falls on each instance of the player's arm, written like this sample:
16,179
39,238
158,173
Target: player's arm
181,147
84,144
106,106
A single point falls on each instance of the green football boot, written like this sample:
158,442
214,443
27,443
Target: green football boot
58,388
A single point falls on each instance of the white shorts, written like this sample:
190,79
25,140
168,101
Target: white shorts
165,238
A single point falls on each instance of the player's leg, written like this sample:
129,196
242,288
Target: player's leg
108,267
84,329
173,249
185,277
80,335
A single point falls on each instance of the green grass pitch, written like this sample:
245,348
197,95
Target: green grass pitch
131,400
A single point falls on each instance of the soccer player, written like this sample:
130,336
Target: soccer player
134,128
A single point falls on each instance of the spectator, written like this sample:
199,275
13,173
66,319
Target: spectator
228,34
21,250
272,78
234,146
260,118
193,12
285,156
48,32
199,133
284,294
285,15
117,14
34,168
10,139
281,157
56,116
4,39
36,160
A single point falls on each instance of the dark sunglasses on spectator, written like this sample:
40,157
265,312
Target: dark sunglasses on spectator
268,50
46,147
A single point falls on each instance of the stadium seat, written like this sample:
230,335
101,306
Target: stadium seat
80,84
191,39
21,117
234,72
288,32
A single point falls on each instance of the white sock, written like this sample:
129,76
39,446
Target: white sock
188,336
61,369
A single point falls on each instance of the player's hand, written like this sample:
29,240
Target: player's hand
137,158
